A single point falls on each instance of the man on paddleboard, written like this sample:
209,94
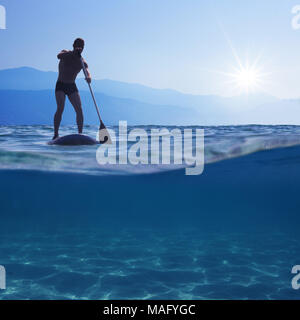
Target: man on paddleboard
69,67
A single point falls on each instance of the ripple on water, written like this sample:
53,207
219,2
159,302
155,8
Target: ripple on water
98,265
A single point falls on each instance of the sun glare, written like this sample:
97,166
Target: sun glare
248,75
247,78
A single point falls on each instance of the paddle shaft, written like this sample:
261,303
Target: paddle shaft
92,93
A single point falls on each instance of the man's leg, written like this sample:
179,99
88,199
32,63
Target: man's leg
76,103
60,100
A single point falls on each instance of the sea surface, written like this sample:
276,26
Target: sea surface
73,229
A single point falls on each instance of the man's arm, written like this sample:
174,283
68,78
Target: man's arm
62,53
88,78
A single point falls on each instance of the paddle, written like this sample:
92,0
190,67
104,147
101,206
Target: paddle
104,137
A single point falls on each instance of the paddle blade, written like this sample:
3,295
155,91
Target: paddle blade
104,137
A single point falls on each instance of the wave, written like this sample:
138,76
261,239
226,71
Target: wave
25,147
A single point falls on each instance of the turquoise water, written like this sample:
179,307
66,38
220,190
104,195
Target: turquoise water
71,229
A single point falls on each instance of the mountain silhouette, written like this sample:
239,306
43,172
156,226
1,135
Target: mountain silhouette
27,97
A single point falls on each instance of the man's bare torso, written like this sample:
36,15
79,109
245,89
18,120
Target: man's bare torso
69,66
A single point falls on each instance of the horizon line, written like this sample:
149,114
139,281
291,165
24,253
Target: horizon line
160,89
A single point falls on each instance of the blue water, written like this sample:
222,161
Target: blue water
71,229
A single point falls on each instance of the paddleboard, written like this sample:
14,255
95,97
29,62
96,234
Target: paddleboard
73,140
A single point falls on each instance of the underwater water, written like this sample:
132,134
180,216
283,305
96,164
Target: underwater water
71,229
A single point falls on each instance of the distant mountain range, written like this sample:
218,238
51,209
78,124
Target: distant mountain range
27,97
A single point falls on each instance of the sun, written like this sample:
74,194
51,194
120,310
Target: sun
248,75
247,78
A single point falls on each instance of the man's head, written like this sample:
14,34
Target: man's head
78,45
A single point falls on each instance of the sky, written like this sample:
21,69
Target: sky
191,46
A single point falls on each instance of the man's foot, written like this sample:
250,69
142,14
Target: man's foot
55,136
